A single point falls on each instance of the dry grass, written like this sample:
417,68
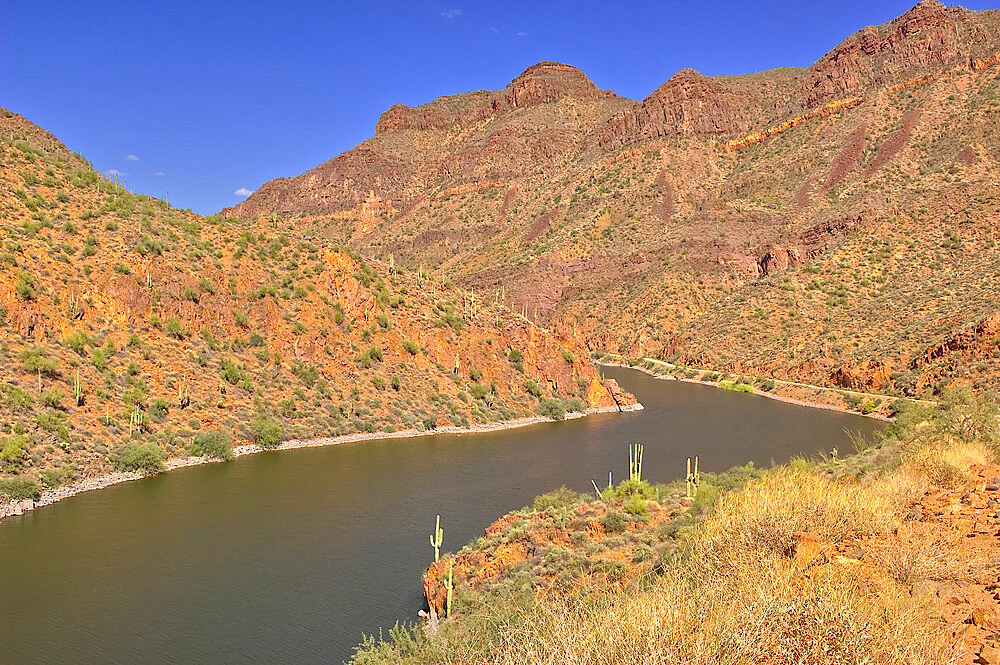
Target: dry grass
739,598
765,515
765,612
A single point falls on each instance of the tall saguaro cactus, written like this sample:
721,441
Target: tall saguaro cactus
450,585
635,462
693,478
436,539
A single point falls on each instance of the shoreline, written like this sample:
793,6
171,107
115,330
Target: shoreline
49,496
769,395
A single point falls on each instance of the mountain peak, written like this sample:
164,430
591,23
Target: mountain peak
551,70
548,81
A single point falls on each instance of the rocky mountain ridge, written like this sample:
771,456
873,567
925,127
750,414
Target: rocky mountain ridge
665,226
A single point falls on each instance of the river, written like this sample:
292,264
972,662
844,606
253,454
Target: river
289,557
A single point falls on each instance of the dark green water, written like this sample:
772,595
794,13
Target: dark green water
289,557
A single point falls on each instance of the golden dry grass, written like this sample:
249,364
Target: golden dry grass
739,598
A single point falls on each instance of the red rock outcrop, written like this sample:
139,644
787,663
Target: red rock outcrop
538,84
925,36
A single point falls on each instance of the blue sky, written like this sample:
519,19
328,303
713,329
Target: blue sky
204,98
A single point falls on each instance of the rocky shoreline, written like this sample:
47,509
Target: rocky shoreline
49,496
762,393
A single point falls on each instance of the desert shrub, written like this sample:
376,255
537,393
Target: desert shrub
55,477
613,522
53,398
267,432
25,287
551,408
230,371
158,409
36,359
411,347
18,487
370,356
559,498
100,356
13,452
533,388
968,417
14,398
78,342
145,458
174,328
217,444
308,374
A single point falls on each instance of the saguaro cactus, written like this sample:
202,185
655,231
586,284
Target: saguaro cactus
78,389
635,462
436,539
450,585
693,478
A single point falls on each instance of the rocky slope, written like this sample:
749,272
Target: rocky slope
124,319
832,224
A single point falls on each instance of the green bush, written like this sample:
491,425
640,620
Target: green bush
174,328
216,444
26,287
78,341
533,388
371,355
18,488
53,398
13,451
560,498
267,432
36,359
551,408
613,522
634,505
55,477
146,458
411,347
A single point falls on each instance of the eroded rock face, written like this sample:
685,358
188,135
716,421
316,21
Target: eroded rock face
538,84
777,259
689,102
925,36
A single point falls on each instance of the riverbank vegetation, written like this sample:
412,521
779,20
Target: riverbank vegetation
828,560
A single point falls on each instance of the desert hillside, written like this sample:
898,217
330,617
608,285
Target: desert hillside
133,331
832,224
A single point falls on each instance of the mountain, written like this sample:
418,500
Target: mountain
126,320
830,224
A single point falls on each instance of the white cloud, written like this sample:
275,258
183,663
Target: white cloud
243,191
114,172
131,158
159,173
451,13
494,31
522,34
